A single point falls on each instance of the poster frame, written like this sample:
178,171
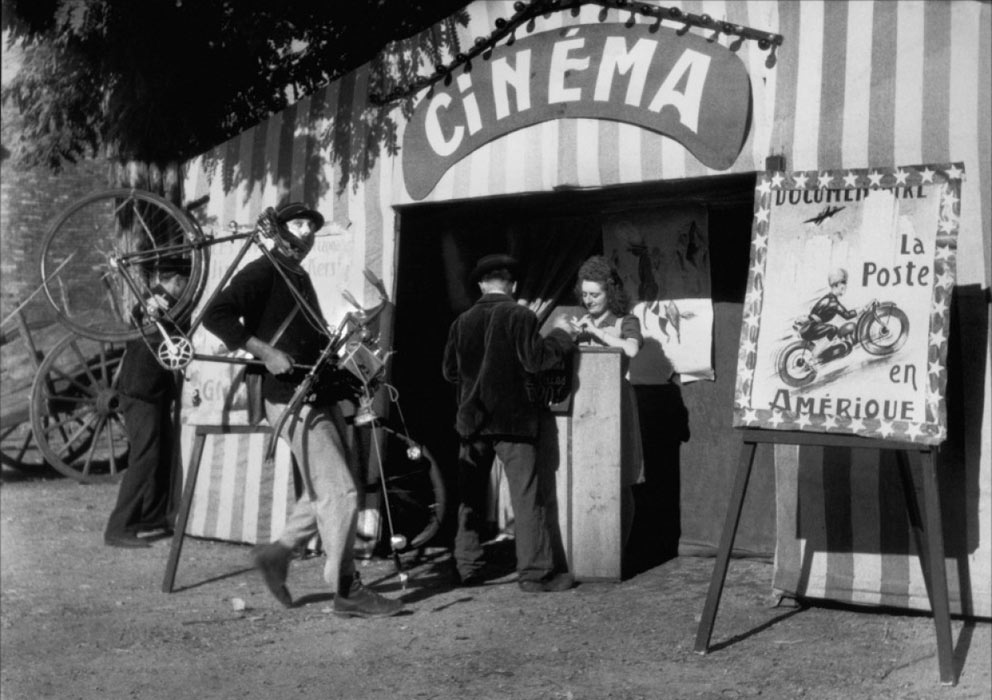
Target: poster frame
783,414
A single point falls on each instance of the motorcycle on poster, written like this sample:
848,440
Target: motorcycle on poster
846,317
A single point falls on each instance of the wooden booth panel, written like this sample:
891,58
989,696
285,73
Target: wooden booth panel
583,442
592,466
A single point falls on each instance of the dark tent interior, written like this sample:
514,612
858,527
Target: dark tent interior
687,483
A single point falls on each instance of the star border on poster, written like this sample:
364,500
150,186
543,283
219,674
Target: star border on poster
941,180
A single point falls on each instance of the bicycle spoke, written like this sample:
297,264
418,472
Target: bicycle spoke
124,203
112,296
143,256
382,478
144,226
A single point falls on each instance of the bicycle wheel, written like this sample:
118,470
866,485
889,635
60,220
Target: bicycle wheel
415,494
97,258
74,409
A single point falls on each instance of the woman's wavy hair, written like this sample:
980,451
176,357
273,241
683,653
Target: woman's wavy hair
598,269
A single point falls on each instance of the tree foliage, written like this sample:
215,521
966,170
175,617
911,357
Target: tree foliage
159,81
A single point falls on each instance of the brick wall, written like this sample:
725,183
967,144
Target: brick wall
29,201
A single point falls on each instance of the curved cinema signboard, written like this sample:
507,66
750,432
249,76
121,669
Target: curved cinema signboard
683,86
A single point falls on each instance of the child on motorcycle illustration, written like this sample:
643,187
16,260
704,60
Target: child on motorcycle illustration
828,308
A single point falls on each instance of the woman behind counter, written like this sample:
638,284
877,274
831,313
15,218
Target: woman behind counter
607,324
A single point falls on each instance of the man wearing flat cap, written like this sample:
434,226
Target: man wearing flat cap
493,354
148,496
271,310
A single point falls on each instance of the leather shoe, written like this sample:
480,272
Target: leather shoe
468,579
476,578
364,602
155,533
272,560
128,540
557,583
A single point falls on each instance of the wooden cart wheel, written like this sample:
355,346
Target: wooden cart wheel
18,448
75,410
21,358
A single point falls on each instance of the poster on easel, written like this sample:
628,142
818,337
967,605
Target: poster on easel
845,322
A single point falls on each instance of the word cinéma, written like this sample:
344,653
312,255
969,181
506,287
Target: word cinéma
565,84
684,87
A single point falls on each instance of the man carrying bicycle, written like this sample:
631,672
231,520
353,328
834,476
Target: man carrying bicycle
270,309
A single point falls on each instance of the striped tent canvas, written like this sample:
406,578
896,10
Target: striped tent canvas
854,85
238,496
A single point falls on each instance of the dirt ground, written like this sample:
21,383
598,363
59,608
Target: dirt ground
81,620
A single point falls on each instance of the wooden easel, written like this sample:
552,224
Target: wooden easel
182,518
927,531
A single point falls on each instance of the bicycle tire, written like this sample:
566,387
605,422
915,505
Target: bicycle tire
88,292
416,493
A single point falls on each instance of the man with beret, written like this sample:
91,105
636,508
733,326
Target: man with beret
261,311
147,497
493,353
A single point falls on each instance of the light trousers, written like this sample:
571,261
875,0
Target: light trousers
328,505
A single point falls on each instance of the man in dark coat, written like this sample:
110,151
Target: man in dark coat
493,354
148,494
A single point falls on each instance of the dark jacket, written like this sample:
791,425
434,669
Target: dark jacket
141,376
493,352
255,303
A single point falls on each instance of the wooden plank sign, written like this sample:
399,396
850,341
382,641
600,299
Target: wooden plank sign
846,317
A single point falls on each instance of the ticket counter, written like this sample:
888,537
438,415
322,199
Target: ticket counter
586,443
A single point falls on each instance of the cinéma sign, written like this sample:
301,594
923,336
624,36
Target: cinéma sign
682,86
846,316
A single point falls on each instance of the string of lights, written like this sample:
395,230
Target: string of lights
525,14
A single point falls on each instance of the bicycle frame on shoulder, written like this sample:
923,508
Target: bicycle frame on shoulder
353,349
117,238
